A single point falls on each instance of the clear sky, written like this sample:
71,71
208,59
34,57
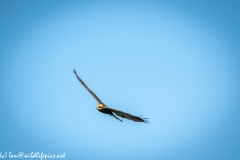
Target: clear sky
176,63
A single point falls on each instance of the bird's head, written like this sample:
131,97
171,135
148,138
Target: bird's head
99,106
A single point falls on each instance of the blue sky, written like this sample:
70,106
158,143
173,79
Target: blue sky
176,63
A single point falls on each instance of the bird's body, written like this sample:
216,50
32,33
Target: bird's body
101,107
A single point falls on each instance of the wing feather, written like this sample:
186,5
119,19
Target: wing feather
91,92
128,116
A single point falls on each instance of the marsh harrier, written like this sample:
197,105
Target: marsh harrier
111,111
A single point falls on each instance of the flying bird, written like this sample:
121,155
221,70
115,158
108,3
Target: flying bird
111,111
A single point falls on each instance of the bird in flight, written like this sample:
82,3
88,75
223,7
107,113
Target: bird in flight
111,111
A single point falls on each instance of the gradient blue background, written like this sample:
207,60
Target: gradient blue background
174,62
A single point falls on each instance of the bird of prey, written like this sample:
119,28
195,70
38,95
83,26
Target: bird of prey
111,111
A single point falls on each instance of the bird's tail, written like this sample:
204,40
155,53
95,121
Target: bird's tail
116,117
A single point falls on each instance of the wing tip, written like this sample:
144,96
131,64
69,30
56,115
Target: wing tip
74,71
145,120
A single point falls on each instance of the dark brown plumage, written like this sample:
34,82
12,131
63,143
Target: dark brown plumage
111,111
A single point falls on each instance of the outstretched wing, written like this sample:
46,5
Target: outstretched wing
91,92
128,116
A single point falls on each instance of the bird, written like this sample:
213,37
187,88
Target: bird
101,107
